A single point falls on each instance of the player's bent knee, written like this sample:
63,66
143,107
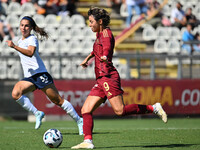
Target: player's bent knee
118,112
16,95
85,110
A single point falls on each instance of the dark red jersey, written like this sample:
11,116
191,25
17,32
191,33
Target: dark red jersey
104,46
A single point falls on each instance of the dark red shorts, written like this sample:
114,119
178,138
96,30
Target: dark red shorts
107,87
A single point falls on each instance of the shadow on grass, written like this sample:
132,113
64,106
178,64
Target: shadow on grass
146,146
66,133
151,146
106,133
170,145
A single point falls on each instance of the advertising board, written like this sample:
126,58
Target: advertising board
176,96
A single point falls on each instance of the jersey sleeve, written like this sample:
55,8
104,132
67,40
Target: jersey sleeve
92,53
32,41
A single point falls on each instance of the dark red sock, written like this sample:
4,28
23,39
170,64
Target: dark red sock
149,108
137,109
87,125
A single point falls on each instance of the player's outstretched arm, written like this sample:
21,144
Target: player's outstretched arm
10,44
28,52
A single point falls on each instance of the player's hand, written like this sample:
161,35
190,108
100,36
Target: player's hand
84,64
10,44
104,58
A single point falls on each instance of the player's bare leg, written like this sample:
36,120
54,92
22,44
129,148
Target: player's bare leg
53,94
90,105
120,109
23,87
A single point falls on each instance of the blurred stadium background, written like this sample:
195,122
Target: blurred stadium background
150,60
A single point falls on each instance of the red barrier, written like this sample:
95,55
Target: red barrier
176,96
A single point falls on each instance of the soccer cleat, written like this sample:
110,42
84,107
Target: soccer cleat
158,110
39,115
83,145
80,126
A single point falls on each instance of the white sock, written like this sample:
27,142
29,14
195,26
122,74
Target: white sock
88,140
154,108
67,106
26,104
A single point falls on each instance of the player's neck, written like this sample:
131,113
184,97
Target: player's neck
24,37
101,29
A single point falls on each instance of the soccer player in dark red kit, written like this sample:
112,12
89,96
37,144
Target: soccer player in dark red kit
108,84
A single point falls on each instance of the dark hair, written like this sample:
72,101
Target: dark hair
100,13
180,4
37,29
196,35
188,24
189,8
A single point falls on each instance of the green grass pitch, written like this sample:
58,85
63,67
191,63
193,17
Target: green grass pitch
109,134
